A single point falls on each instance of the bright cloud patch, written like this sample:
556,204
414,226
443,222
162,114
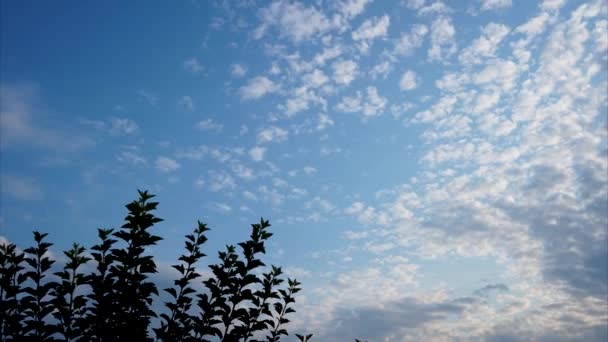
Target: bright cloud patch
272,134
442,38
166,164
209,125
257,87
370,105
408,80
345,71
494,4
257,153
293,20
370,30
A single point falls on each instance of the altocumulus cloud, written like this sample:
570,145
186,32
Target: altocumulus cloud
476,211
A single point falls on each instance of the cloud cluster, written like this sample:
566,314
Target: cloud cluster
516,171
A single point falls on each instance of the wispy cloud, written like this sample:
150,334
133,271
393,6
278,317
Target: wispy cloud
186,103
487,5
20,127
272,134
148,97
371,29
166,164
193,66
238,70
21,188
209,125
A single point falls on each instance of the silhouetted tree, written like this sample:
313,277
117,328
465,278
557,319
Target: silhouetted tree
11,280
70,307
113,301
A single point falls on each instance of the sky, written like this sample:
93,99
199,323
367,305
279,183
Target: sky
433,171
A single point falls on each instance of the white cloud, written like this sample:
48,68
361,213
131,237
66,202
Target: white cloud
220,207
274,69
453,81
192,65
186,103
209,125
525,189
486,101
370,30
601,39
130,156
320,204
486,45
327,54
442,39
293,20
496,125
297,272
412,40
372,105
437,7
381,70
345,71
272,134
220,181
249,195
257,87
302,97
408,80
238,70
194,153
21,122
327,151
148,97
242,171
442,108
350,104
414,4
123,126
272,196
309,170
534,26
221,155
487,5
115,126
552,5
324,122
502,73
199,182
257,153
352,8
165,164
315,79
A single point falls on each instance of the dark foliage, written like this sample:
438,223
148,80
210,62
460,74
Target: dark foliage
37,302
11,280
70,307
112,302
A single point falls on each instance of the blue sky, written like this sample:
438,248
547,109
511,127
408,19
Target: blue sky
432,171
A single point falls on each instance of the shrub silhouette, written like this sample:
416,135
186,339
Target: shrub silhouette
112,302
